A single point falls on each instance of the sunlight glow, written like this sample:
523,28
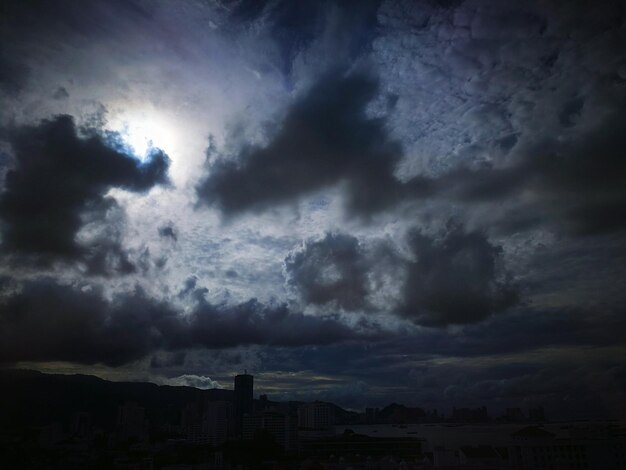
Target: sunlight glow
145,130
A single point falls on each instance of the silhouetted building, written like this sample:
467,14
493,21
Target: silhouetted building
315,421
588,447
277,424
444,457
514,415
51,435
244,399
131,422
470,415
208,421
350,443
81,424
218,422
191,423
537,415
486,457
371,415
315,415
263,403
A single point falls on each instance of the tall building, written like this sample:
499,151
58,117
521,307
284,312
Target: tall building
208,422
81,424
371,415
244,399
131,422
191,424
315,421
217,421
537,415
514,415
276,423
315,416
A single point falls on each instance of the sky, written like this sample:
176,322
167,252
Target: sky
358,201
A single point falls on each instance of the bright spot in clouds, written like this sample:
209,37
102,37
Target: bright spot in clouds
143,130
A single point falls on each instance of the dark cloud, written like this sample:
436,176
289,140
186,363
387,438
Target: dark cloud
162,360
13,74
584,179
326,138
46,321
547,180
169,231
42,320
32,19
103,253
570,185
298,28
331,269
534,327
38,30
340,271
58,183
432,366
255,323
454,279
61,94
573,185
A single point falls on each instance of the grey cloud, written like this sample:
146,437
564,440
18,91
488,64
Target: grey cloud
311,34
58,183
454,279
42,320
527,353
169,231
61,94
325,138
516,88
45,321
13,75
162,360
341,271
38,29
331,269
576,183
65,19
584,179
102,228
255,323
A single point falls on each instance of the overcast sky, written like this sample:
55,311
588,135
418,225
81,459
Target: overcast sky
364,202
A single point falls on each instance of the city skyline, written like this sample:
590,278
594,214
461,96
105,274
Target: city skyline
53,422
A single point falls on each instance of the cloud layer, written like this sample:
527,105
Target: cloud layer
46,321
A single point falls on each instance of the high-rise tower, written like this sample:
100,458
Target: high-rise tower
244,398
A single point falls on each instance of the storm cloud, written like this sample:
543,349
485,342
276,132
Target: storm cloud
42,320
572,186
331,269
325,138
59,181
454,279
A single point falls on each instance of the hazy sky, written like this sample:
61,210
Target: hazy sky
365,202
